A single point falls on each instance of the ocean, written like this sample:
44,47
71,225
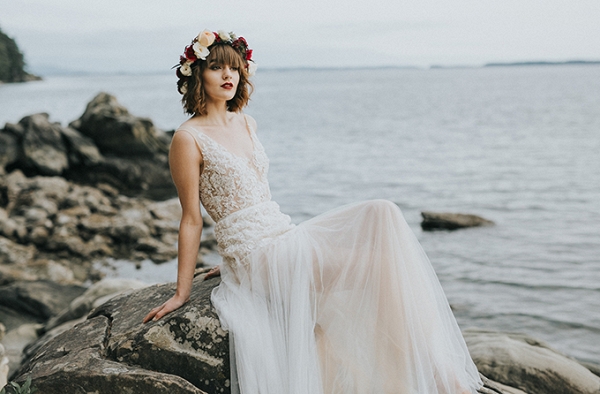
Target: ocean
516,145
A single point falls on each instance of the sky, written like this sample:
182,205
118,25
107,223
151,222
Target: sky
144,36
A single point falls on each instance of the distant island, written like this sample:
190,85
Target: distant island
12,64
544,63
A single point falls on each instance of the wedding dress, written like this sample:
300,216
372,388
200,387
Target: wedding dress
344,303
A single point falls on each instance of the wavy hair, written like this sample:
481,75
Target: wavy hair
194,99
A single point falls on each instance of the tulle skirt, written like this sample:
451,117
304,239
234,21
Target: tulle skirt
346,302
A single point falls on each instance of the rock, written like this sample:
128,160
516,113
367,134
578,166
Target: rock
41,299
13,253
451,221
527,364
185,352
209,242
135,151
158,250
9,150
44,151
3,367
81,305
82,150
15,342
12,319
70,366
168,210
116,132
491,387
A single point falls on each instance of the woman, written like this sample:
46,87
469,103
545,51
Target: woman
346,302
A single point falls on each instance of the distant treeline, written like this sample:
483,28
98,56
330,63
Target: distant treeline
542,63
12,65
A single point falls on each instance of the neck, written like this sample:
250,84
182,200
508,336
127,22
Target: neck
217,114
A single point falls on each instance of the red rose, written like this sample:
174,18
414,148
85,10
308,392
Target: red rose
189,53
217,38
249,54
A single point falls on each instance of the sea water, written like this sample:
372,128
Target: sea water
517,145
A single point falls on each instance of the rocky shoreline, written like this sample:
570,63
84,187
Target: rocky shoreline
100,189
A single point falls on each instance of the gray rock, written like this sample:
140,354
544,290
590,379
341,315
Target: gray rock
116,132
13,253
186,351
9,150
44,151
79,364
81,305
451,221
41,299
12,319
15,342
82,150
528,364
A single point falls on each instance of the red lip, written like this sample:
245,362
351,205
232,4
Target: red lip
227,85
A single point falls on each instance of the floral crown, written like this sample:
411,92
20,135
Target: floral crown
199,50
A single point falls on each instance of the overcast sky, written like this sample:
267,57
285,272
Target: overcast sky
148,36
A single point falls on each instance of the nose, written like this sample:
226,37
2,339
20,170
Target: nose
227,72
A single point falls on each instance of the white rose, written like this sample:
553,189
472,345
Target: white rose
206,38
251,68
200,51
185,69
183,89
223,35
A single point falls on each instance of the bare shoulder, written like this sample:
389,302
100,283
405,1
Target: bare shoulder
184,145
251,122
181,139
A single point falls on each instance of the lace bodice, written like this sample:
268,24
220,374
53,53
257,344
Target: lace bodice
235,192
229,182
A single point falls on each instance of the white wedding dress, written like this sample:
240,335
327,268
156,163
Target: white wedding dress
344,303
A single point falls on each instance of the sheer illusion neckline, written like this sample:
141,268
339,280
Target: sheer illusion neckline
223,148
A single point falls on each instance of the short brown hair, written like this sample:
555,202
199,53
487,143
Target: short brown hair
194,99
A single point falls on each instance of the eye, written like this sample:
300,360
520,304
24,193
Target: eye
215,67
235,68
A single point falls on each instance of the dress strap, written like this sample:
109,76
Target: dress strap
195,135
248,126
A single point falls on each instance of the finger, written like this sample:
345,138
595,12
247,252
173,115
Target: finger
160,314
148,317
152,313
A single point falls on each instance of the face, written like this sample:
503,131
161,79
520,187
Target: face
220,82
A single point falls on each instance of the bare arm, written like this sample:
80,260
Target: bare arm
185,160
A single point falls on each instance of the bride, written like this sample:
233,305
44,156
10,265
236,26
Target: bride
346,302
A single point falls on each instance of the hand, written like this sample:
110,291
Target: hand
172,304
214,272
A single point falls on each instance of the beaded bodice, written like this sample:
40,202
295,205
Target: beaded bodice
235,193
229,182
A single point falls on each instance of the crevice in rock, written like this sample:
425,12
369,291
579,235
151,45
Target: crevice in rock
104,351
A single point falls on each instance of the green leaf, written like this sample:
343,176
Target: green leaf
26,385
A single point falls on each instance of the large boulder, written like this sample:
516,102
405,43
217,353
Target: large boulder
116,132
451,221
82,150
82,305
9,150
44,151
42,299
106,145
135,150
76,361
185,352
522,362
